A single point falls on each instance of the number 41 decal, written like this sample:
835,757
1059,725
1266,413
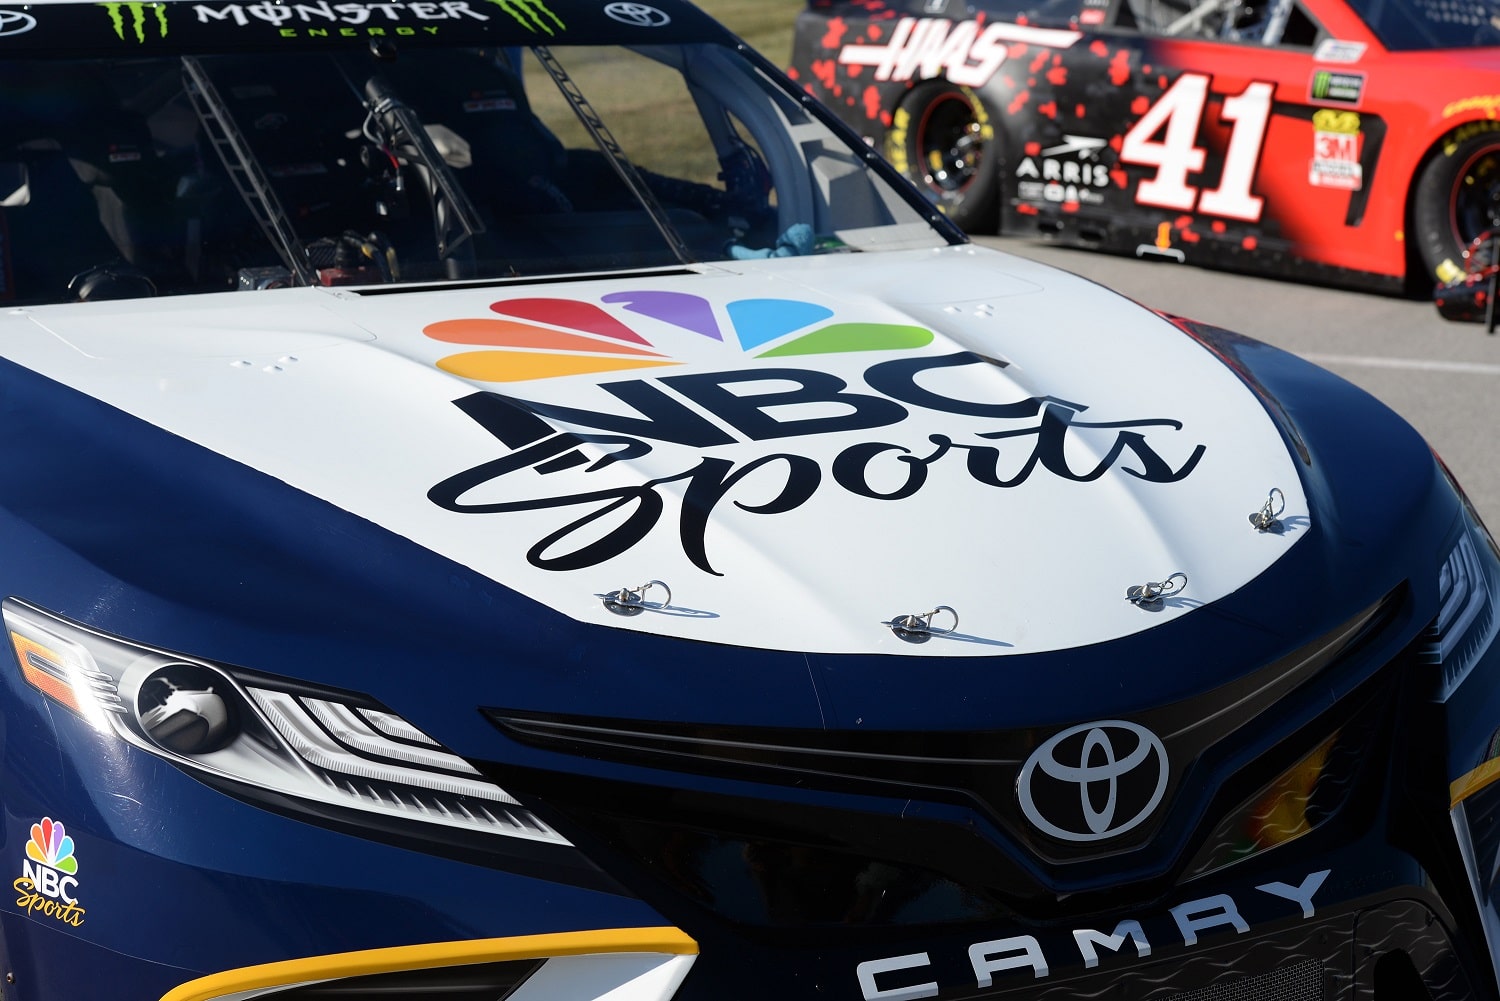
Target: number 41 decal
1176,154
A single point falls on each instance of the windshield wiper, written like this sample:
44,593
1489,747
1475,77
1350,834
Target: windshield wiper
612,152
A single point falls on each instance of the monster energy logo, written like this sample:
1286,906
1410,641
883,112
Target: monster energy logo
1339,88
138,14
530,14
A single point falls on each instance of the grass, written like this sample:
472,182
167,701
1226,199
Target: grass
646,107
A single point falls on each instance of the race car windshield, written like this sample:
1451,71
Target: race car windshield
1416,25
194,173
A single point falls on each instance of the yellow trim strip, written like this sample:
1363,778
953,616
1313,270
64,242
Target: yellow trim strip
670,941
1465,786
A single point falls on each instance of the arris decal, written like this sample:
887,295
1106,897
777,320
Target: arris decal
534,352
719,425
49,875
1071,171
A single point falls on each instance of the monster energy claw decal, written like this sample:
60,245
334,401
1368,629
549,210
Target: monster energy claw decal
533,15
1329,87
144,19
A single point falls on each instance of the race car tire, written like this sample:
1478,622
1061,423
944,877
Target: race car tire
941,137
1457,198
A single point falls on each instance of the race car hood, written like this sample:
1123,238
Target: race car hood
792,454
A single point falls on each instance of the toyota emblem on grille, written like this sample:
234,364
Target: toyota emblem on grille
639,14
1093,781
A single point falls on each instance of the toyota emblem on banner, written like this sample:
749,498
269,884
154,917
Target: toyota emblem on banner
638,14
1093,781
15,22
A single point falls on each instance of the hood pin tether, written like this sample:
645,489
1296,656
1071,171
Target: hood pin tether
632,600
1266,520
918,628
1150,594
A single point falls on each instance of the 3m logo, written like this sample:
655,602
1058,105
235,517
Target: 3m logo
580,338
533,15
140,15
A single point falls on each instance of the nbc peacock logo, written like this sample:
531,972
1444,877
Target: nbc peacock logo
49,874
51,846
544,338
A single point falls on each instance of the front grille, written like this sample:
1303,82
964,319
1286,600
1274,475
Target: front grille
1295,982
955,792
975,768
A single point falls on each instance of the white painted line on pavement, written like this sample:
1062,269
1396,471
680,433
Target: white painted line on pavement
1414,364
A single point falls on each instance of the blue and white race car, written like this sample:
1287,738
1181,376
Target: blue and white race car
510,499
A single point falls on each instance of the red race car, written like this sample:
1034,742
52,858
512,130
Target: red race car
1354,142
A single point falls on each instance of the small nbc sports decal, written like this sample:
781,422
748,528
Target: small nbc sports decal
48,884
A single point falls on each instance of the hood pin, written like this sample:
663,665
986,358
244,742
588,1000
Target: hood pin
632,600
1265,520
1150,594
918,628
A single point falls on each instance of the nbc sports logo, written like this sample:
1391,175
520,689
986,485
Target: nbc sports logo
49,874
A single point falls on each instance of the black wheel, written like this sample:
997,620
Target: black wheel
1457,199
941,137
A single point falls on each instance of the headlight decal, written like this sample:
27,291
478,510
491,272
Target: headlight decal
217,724
1466,622
394,726
304,724
65,672
1461,637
